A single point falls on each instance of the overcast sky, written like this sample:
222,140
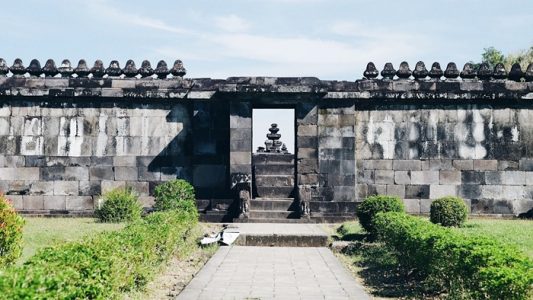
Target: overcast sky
323,38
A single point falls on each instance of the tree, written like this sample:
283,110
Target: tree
493,56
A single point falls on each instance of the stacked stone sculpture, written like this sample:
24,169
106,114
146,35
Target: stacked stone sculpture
469,72
97,71
273,144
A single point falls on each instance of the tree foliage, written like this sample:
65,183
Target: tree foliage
493,56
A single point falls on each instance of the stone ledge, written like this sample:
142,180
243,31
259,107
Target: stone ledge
206,88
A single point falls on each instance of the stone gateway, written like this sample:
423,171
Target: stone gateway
68,134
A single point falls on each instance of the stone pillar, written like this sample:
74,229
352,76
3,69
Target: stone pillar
336,151
307,155
240,138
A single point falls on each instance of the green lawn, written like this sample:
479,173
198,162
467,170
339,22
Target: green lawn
517,232
42,232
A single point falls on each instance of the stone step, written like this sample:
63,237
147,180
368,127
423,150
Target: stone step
273,169
274,180
274,192
273,214
216,216
261,204
269,159
280,220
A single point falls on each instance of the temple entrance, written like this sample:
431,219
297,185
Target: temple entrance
273,165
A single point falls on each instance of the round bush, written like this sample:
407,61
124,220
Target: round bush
367,210
175,194
10,232
448,211
119,205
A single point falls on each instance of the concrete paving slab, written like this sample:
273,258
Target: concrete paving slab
273,273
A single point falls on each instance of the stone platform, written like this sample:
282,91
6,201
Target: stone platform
280,235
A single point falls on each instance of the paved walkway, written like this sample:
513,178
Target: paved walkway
273,273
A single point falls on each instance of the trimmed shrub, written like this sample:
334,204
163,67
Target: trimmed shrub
10,232
119,205
175,194
464,266
448,211
367,210
103,266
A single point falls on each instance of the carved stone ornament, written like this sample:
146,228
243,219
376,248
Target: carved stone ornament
304,197
241,184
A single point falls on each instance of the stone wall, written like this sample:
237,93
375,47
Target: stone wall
65,140
480,152
59,156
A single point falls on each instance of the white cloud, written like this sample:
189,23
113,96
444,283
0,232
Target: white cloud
111,13
232,23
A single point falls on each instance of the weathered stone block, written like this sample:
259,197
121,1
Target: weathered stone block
425,205
140,187
308,179
149,174
15,161
382,164
472,177
33,202
55,202
491,191
424,177
66,188
366,176
308,153
90,188
440,164
493,177
526,164
412,206
17,201
402,177
396,190
406,165
101,173
126,173
361,191
470,191
109,185
417,191
307,130
514,177
240,158
344,193
125,161
79,203
514,192
19,173
42,188
384,176
449,177
508,165
376,189
485,165
439,191
466,164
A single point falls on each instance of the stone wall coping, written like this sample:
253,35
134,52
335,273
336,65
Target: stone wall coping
207,88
